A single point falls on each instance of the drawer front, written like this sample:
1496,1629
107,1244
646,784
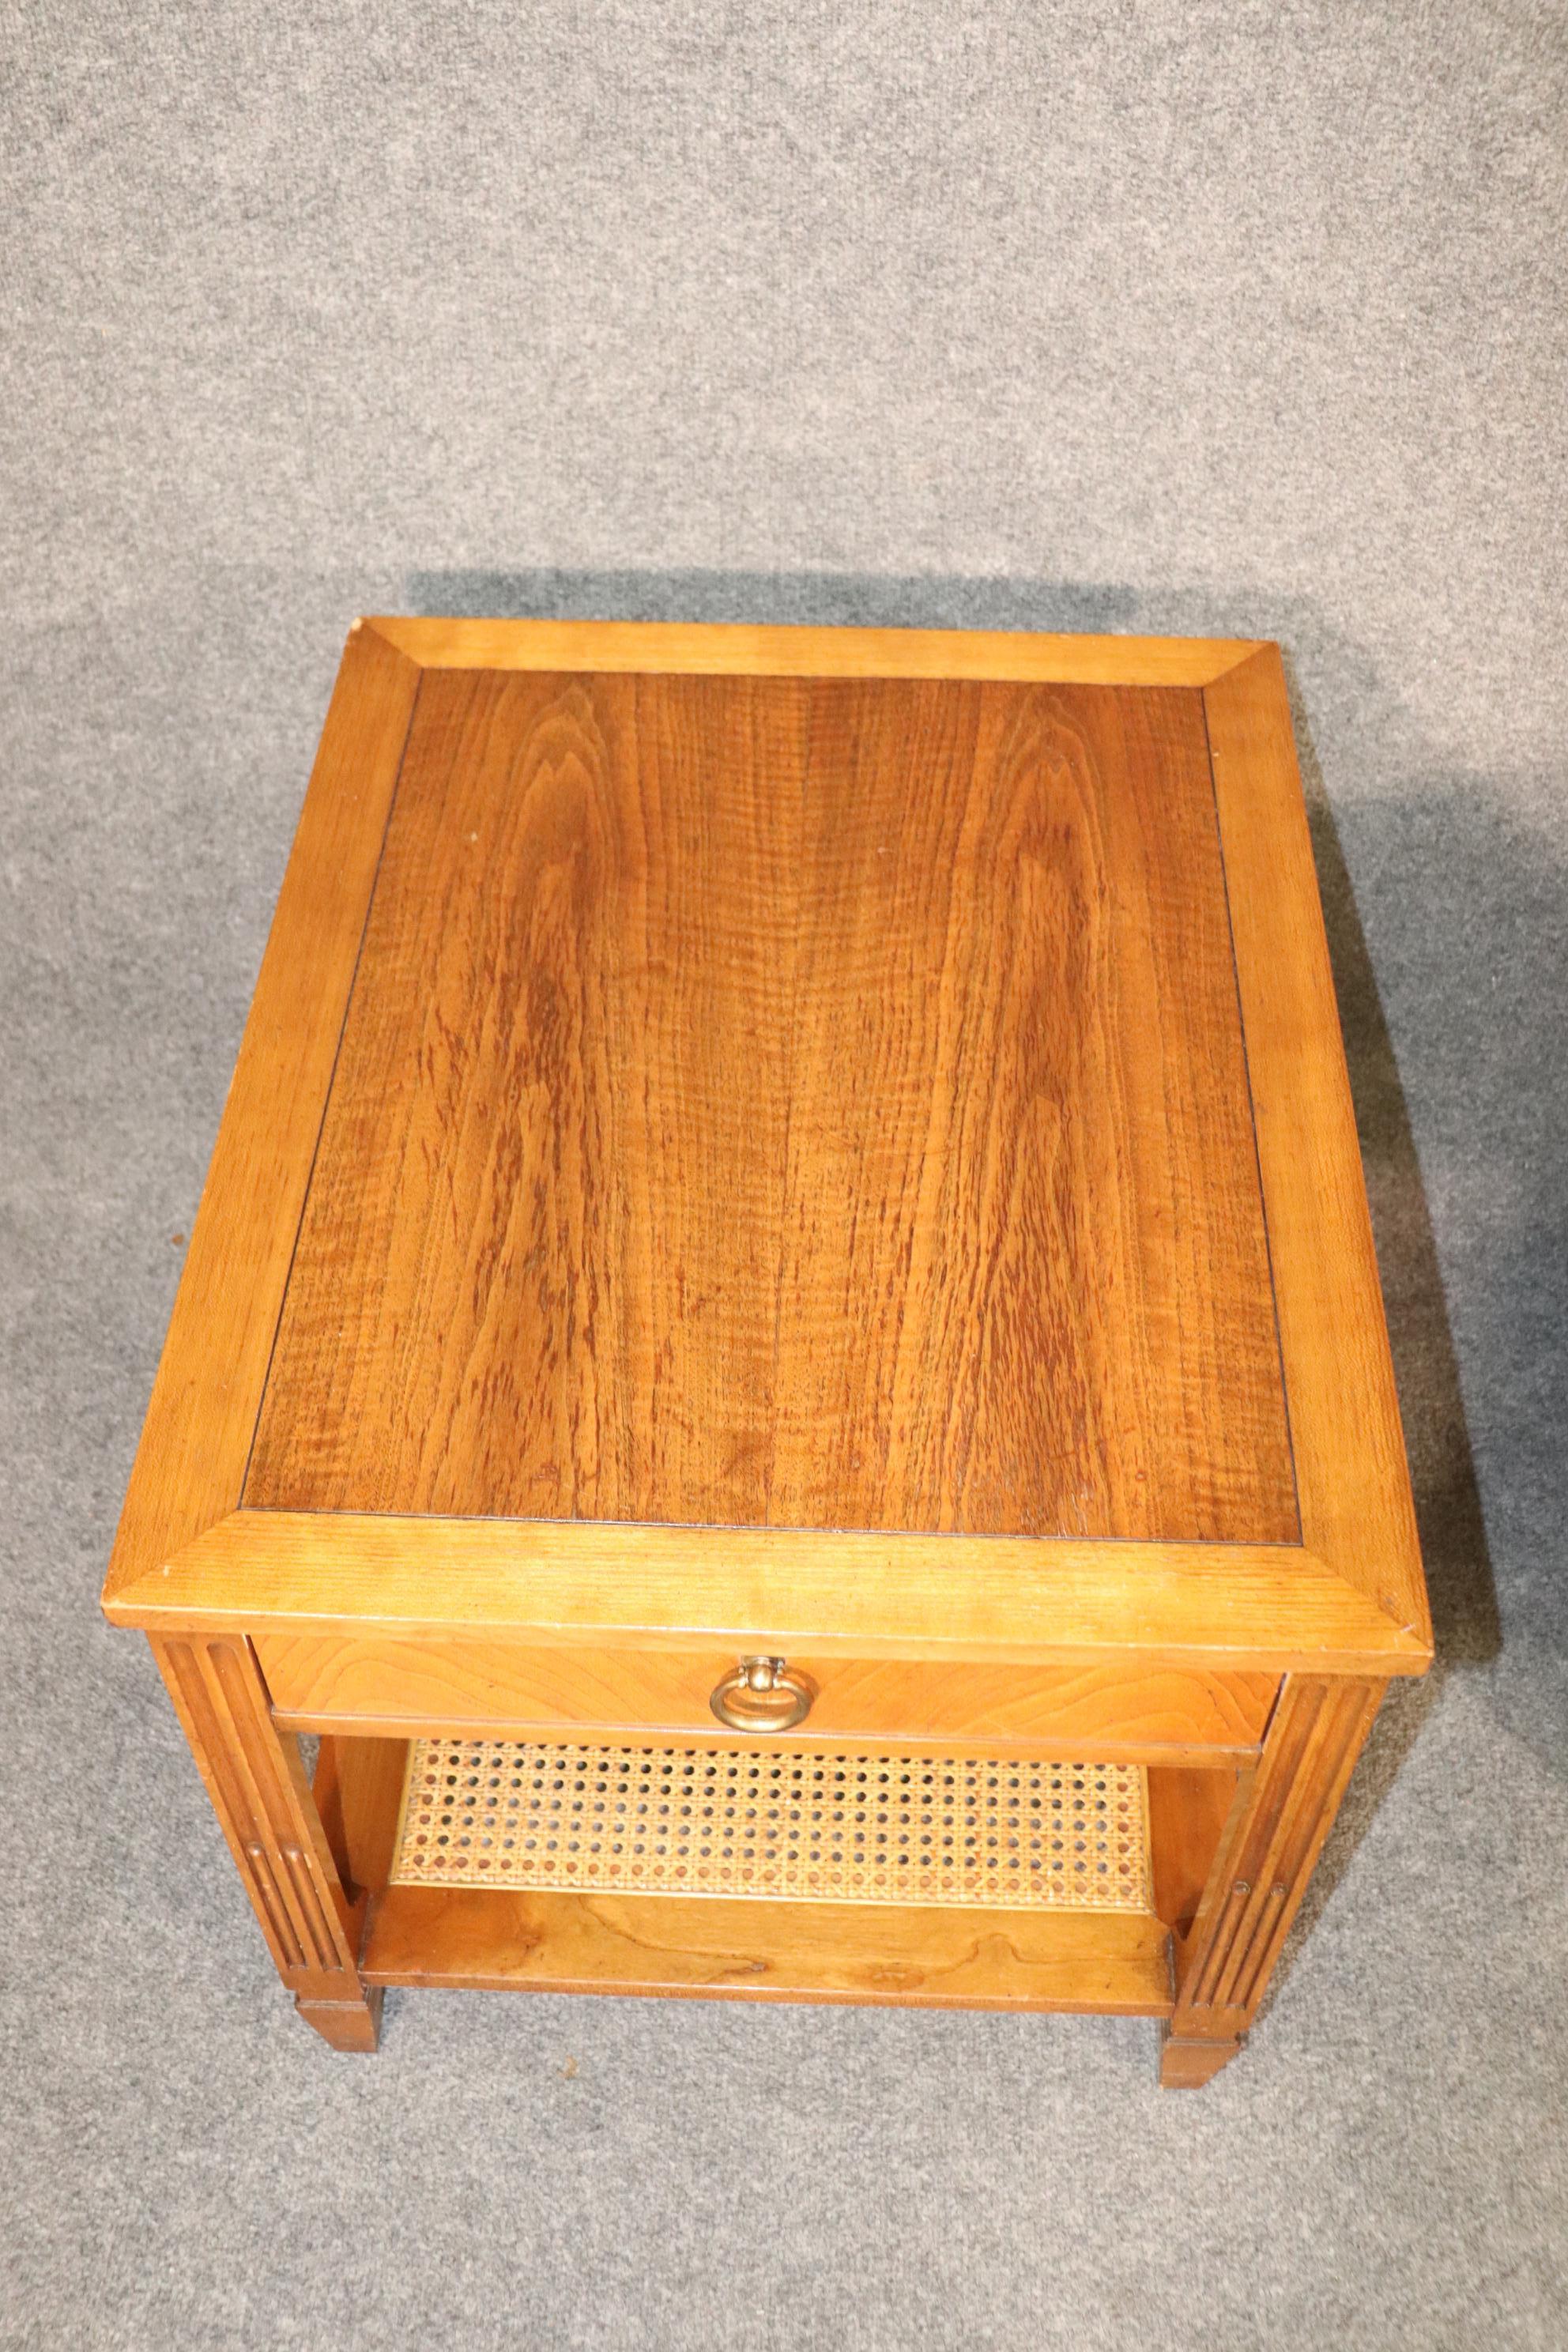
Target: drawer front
324,1682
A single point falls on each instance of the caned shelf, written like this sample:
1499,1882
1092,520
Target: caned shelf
779,1823
772,1875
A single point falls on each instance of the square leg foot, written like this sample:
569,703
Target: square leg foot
1186,2064
354,2025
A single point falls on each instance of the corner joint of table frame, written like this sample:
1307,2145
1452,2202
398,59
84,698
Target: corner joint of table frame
1404,1627
1242,654
138,1596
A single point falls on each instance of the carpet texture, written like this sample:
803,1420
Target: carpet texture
1247,319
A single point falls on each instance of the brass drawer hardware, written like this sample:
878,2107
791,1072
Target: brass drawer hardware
763,1695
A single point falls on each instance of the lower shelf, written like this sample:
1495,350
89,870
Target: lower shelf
1114,1963
764,1820
765,1873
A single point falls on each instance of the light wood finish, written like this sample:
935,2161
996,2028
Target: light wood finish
1253,1607
706,1266
358,1790
1271,1843
1187,2064
351,2026
256,1778
1357,1513
1322,1609
1010,1194
197,1440
731,650
418,1688
1190,1813
923,1958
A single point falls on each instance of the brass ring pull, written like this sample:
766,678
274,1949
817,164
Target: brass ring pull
763,1695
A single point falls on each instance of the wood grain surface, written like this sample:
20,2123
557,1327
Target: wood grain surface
1271,1841
1011,1600
321,1684
735,649
1112,1962
791,1102
255,1776
200,1419
745,1140
1357,1510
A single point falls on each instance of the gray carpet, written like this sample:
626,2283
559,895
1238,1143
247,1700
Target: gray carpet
1244,318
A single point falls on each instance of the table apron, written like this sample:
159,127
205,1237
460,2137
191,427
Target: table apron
1129,1713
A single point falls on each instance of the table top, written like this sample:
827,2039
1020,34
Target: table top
791,1132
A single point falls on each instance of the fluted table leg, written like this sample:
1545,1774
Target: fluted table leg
1261,1870
255,1777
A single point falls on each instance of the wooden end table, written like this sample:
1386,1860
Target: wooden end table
782,1354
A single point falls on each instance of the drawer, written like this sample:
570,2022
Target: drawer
328,1683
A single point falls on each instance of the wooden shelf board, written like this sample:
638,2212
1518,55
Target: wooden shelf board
1107,1963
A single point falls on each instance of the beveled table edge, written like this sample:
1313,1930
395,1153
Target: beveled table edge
737,648
1275,1608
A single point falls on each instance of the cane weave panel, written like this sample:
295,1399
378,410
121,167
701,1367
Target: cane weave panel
825,1828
